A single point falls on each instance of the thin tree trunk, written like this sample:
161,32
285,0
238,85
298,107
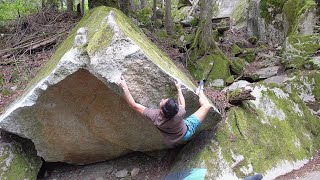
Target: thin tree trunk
61,4
154,10
69,5
206,38
168,21
124,6
82,7
43,3
142,4
52,4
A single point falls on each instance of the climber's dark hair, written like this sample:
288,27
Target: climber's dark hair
170,109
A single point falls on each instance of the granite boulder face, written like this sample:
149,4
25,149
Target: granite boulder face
272,135
73,110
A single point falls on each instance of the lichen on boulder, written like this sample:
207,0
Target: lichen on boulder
18,158
271,135
73,110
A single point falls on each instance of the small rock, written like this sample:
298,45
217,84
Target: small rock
99,178
121,174
14,88
135,172
217,83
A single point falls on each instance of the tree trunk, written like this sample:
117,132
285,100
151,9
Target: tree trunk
124,6
142,4
82,7
43,3
61,4
154,10
206,38
52,4
95,3
168,21
69,5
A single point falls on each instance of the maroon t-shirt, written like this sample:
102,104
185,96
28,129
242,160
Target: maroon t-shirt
172,129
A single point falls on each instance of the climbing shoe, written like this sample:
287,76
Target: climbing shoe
201,84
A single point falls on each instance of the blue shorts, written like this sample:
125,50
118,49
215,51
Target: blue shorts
192,123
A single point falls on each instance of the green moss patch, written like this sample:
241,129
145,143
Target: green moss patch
270,8
263,140
235,50
300,49
150,49
293,9
265,145
211,67
101,38
238,65
17,163
239,13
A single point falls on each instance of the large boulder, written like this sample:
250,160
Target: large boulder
73,110
271,135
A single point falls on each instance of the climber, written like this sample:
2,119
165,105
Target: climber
169,118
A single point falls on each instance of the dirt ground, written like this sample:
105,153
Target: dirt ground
151,166
305,172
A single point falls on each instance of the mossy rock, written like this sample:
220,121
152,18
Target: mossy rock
238,65
1,80
293,10
215,34
236,50
194,22
211,67
261,136
239,13
253,40
248,56
306,85
158,23
315,64
230,80
299,50
5,92
18,160
189,38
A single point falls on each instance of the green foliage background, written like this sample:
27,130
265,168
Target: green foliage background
10,9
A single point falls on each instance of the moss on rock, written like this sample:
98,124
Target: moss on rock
238,65
248,56
18,162
276,127
293,10
235,50
299,49
230,80
211,67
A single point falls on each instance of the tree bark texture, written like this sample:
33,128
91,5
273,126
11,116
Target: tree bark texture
69,5
82,7
52,4
110,3
142,4
154,10
168,20
124,6
206,38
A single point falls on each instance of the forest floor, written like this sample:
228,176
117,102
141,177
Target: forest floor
26,47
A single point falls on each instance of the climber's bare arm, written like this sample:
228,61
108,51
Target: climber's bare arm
181,100
128,97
